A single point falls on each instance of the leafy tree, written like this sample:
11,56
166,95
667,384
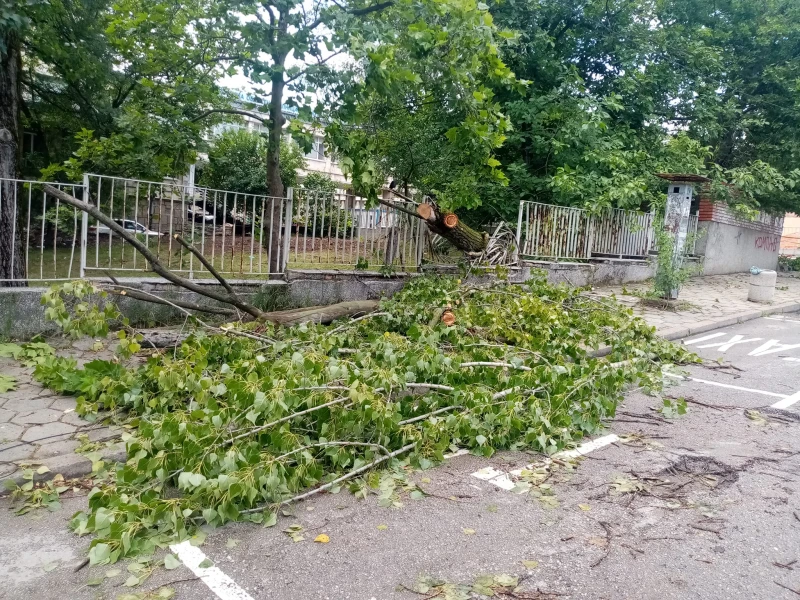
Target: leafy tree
621,90
393,44
110,85
237,162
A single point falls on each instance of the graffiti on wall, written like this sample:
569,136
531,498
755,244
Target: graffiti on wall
768,242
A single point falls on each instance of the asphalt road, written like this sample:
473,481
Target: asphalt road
716,515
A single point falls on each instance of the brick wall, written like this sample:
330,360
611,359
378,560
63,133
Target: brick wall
720,212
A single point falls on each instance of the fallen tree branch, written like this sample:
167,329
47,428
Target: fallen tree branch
137,295
331,484
496,364
361,318
283,420
430,414
206,264
149,256
329,444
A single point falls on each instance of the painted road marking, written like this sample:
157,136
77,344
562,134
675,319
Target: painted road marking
704,338
782,318
788,401
223,586
772,346
725,385
503,480
724,346
791,358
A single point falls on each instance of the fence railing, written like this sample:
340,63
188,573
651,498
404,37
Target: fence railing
48,228
240,234
556,232
334,230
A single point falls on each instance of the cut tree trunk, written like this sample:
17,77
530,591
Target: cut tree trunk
451,228
10,230
321,314
168,338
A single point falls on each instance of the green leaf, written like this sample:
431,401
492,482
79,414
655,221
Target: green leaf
171,562
206,563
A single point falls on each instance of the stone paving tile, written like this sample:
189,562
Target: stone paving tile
706,299
41,426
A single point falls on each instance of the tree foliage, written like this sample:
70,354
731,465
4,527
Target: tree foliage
237,161
239,428
116,82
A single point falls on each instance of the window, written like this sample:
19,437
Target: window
317,150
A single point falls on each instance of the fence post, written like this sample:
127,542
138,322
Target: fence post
287,228
84,225
519,227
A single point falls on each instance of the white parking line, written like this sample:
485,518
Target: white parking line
725,385
223,586
503,480
788,401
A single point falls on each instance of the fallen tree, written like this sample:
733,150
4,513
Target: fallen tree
228,427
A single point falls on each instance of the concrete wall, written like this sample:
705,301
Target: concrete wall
607,272
733,249
22,315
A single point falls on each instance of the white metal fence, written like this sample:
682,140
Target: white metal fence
555,232
233,230
334,230
237,233
49,229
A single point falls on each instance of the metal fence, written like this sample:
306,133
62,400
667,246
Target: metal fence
49,229
334,230
239,234
556,232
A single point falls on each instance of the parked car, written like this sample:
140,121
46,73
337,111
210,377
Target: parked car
197,213
128,225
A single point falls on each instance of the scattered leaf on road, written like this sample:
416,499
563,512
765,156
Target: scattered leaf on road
49,567
206,564
171,562
322,539
468,531
530,564
383,527
584,507
231,543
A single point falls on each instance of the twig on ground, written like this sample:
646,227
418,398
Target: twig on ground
786,587
785,566
361,318
430,414
337,481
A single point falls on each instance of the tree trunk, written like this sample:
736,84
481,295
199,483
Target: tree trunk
12,258
274,182
450,227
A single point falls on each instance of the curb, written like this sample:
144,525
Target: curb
704,326
71,466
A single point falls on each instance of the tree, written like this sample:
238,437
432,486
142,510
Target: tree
12,265
237,162
622,89
110,84
393,43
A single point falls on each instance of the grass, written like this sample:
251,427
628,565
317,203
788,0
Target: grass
121,260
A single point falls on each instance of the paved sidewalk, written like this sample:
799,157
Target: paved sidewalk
41,427
709,302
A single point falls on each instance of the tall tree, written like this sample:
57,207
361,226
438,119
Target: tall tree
287,45
12,263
